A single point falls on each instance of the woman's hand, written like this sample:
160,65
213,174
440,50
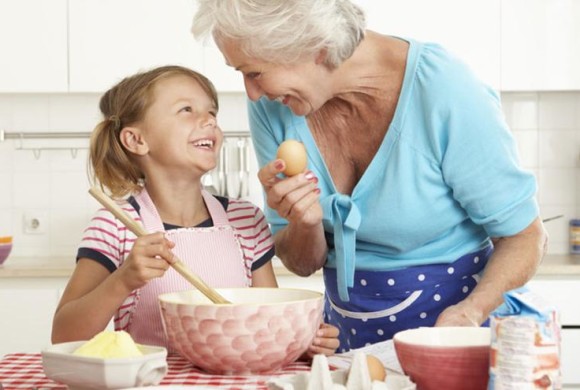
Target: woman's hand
150,257
462,314
514,261
301,245
325,342
295,198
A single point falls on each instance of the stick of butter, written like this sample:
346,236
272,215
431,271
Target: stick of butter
110,344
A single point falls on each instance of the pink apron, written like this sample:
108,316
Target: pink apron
213,253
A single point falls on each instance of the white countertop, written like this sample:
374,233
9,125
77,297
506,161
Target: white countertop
22,267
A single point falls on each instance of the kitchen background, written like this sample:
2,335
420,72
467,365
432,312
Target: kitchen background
69,51
50,185
57,57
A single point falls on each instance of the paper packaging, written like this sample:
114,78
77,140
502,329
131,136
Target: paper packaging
525,344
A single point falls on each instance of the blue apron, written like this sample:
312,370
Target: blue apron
383,303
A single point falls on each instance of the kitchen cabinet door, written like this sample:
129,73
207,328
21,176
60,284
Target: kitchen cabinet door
570,358
26,319
111,39
225,78
33,46
563,294
539,47
470,29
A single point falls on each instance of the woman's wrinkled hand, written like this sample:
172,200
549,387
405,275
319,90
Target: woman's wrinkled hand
325,342
461,314
295,198
149,258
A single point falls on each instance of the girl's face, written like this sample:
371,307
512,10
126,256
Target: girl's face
180,127
299,86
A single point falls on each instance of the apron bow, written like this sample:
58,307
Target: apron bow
344,216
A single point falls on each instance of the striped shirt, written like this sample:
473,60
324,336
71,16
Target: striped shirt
108,242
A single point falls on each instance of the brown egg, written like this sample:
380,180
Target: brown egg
376,369
294,155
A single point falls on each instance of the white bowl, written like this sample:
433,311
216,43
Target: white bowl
82,372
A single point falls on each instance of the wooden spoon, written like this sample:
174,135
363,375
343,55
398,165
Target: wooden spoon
139,231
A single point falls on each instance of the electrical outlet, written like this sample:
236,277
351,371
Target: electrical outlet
35,222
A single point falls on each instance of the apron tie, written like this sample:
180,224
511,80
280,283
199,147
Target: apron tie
345,218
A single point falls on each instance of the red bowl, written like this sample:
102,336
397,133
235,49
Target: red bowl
450,358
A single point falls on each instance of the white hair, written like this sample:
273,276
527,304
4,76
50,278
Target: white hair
284,31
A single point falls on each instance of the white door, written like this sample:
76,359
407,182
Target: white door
470,29
112,39
33,46
540,49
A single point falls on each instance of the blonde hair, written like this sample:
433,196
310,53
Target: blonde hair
110,165
284,31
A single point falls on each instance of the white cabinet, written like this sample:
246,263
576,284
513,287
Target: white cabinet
224,77
563,294
570,358
27,307
539,48
470,29
33,46
111,39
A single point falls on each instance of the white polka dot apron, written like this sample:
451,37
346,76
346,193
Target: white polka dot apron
383,303
213,253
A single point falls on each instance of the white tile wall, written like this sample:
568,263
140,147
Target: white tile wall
54,184
546,126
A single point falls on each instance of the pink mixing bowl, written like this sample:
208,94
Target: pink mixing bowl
450,358
263,329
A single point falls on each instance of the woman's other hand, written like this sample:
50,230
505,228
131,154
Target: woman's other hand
150,257
325,342
461,314
295,198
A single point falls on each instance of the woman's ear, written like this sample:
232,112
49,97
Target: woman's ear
320,57
132,139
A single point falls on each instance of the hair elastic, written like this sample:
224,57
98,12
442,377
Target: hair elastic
116,121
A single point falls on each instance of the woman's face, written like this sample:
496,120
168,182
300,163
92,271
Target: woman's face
299,86
180,127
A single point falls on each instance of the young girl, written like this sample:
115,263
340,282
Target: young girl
158,138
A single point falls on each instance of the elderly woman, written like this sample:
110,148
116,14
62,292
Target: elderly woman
413,202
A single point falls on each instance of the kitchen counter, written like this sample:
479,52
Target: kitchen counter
31,289
22,267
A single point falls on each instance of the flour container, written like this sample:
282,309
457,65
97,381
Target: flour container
525,344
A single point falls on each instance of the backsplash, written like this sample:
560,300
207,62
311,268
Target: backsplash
51,185
546,126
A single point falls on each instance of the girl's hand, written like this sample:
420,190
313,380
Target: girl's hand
325,342
295,198
150,257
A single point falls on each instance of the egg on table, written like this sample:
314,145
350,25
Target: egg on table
376,369
294,155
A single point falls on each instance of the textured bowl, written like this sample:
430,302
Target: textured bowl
82,372
5,249
450,358
263,329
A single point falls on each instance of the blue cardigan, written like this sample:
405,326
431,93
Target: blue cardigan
445,179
